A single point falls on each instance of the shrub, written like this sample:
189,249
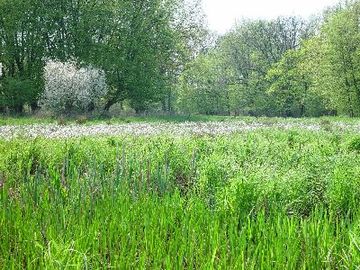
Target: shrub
70,89
16,92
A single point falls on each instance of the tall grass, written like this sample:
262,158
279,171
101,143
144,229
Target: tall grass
260,200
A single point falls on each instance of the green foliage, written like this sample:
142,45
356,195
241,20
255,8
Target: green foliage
338,73
202,87
290,86
21,52
141,45
354,144
266,199
15,93
159,56
235,70
283,67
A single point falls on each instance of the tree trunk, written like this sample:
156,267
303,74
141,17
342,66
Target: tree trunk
17,109
34,107
351,109
109,103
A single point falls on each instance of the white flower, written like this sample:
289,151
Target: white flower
69,88
151,129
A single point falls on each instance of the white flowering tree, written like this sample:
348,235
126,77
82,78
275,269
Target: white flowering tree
72,89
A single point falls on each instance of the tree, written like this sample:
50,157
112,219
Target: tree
236,70
250,50
141,45
341,61
70,89
292,84
151,41
203,88
21,52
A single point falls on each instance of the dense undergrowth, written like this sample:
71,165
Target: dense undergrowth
20,120
253,200
89,120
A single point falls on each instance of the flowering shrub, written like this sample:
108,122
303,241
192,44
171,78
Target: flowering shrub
72,89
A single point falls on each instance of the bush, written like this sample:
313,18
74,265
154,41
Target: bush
69,89
16,92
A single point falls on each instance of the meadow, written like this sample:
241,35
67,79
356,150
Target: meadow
283,195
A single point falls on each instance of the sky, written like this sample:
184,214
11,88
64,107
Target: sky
222,14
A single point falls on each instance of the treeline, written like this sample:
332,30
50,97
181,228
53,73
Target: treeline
142,46
157,55
285,67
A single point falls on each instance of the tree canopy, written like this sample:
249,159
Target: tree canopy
141,45
159,55
283,67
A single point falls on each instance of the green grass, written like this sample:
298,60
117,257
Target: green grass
257,200
28,120
31,119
